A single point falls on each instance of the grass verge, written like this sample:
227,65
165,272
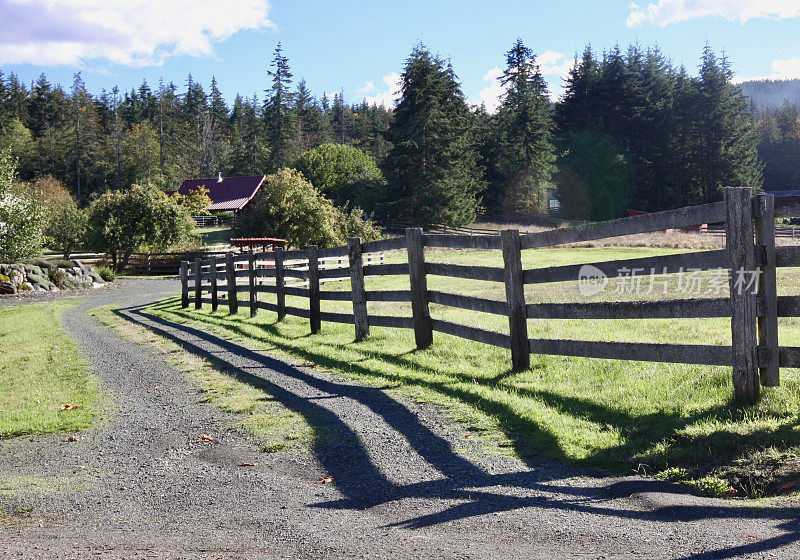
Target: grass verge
45,386
274,427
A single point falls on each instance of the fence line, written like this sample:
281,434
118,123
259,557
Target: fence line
754,355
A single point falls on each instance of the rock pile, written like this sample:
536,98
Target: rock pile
47,276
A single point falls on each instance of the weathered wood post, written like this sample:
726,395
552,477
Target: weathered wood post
740,251
423,328
767,290
198,283
251,263
230,271
280,284
184,274
515,298
313,289
214,295
147,265
358,289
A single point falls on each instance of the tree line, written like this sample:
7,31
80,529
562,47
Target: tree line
631,131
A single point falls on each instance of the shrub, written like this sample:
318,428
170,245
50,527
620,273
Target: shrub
105,273
66,228
288,206
343,173
197,201
142,218
22,220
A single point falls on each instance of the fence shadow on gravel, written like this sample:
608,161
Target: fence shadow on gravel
363,485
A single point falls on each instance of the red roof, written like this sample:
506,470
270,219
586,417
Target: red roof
232,193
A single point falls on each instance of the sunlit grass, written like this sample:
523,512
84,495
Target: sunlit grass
40,373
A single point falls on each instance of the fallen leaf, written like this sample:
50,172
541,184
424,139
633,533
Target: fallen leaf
71,439
468,436
248,464
205,437
310,365
324,480
786,486
157,387
69,406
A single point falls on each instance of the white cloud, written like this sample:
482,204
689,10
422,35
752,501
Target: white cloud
782,69
386,98
491,94
665,12
368,87
131,32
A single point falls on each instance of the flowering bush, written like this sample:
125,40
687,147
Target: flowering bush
22,219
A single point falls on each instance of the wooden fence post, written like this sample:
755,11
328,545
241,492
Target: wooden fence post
198,283
313,289
767,291
740,251
251,262
184,274
214,295
280,284
423,328
147,266
230,271
515,298
357,288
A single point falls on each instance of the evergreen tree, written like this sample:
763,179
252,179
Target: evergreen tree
278,114
432,167
524,125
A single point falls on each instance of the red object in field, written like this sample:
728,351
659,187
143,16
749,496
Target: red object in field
263,243
255,243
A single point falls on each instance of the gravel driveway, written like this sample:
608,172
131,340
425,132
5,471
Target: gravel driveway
406,482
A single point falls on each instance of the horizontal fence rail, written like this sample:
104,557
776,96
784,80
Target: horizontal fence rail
754,356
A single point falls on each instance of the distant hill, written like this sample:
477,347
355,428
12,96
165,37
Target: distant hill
772,93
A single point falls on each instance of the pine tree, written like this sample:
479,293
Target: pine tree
278,114
524,126
432,167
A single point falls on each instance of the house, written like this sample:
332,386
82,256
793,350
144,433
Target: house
227,194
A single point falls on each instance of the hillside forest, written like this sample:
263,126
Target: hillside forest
632,130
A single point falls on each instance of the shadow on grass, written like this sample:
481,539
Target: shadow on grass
342,454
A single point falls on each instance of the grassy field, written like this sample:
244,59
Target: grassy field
45,386
676,420
213,235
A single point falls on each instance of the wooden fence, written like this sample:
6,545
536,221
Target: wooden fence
754,355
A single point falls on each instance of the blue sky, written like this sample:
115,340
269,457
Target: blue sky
361,46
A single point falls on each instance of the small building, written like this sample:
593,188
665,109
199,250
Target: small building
227,194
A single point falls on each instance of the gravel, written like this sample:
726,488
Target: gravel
407,483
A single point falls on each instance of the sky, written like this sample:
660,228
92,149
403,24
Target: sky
360,47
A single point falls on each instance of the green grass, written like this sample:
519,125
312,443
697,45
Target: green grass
274,427
40,371
617,415
213,235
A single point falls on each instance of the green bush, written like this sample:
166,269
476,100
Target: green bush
22,218
343,173
142,218
289,207
66,228
106,273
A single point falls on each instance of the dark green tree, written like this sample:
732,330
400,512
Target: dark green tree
432,167
524,125
278,114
